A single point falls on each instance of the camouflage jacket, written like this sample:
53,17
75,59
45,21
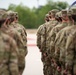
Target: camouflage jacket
20,44
52,37
40,36
8,55
70,57
49,27
22,31
61,40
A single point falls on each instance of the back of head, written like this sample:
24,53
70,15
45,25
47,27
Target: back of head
3,15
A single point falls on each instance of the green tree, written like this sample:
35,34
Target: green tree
32,18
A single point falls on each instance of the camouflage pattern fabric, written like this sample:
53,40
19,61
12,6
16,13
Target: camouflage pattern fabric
16,36
8,55
70,58
49,27
22,31
40,43
60,42
52,37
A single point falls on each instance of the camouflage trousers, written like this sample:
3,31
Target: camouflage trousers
21,63
74,69
57,73
47,69
4,70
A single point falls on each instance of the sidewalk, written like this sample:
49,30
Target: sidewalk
34,65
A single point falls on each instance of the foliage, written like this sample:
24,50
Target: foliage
32,18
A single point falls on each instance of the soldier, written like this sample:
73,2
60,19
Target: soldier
44,45
60,46
70,58
53,33
20,28
40,41
8,51
16,36
53,22
22,31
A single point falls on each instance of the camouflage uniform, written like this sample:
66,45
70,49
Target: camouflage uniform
44,43
49,28
8,56
8,53
40,44
60,41
52,37
21,30
22,33
21,46
52,23
70,58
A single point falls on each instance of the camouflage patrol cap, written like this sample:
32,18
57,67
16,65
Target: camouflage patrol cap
47,15
10,14
58,14
63,13
54,11
49,12
69,13
3,15
73,11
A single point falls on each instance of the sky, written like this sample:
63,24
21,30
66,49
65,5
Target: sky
29,3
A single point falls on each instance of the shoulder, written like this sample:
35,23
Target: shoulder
40,28
7,38
57,26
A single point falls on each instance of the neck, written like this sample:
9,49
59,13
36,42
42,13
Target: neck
64,21
52,18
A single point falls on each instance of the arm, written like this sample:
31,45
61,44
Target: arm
69,54
13,58
39,37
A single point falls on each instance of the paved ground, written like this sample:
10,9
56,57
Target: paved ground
33,59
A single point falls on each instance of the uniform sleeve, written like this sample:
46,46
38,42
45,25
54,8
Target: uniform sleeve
57,47
57,44
24,37
52,32
69,54
19,39
13,58
61,37
39,37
